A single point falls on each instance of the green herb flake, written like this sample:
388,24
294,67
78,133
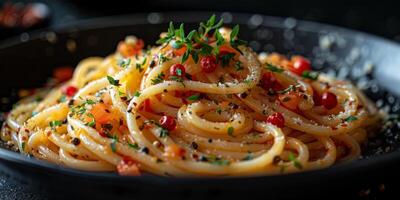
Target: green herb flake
23,144
163,132
238,66
90,102
194,97
113,145
158,79
273,68
91,124
137,94
293,159
219,110
350,118
55,123
113,81
310,75
220,162
133,146
230,131
177,79
249,156
226,58
288,89
124,62
139,67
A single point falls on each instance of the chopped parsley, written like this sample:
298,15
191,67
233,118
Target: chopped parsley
23,145
158,79
219,110
273,68
139,67
113,145
296,163
220,162
238,66
163,132
235,42
288,89
134,146
226,58
197,41
194,97
137,94
248,81
90,102
162,58
55,123
216,160
124,62
230,131
91,123
310,75
350,119
249,156
113,81
177,79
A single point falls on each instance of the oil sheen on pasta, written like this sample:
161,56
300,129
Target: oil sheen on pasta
201,103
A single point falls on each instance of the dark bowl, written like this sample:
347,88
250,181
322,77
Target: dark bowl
369,61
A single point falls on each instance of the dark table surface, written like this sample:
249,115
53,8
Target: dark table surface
380,19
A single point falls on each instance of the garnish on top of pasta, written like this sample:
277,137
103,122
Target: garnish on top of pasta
201,103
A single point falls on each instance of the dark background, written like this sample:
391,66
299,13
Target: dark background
376,17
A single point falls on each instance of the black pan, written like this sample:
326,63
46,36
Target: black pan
26,62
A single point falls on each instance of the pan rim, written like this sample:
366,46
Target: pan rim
141,18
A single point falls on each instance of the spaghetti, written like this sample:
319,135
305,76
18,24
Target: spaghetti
200,104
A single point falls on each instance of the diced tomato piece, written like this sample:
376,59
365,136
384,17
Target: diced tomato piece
128,50
225,49
101,113
180,51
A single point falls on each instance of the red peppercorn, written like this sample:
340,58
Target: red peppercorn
177,70
300,65
276,119
167,122
267,81
208,64
70,91
328,100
